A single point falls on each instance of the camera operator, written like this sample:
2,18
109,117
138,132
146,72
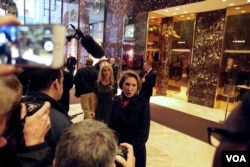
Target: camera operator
96,142
47,85
23,144
35,127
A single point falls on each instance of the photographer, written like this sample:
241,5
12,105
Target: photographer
47,85
96,142
34,148
23,144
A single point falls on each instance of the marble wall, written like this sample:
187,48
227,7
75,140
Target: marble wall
117,10
207,49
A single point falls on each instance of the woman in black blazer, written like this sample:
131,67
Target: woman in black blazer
130,116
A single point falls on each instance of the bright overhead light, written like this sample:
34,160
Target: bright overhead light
224,0
177,8
231,4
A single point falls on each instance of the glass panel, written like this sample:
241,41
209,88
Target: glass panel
39,11
180,58
235,61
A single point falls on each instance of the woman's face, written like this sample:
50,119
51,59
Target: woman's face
106,72
130,87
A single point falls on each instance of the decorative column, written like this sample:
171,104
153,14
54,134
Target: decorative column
165,51
207,51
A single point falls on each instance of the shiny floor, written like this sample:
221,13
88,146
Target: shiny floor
170,148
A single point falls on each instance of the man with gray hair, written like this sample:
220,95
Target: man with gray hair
84,87
91,143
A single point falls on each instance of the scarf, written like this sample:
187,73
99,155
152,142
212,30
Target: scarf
124,100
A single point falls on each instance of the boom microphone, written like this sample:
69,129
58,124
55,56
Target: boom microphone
88,43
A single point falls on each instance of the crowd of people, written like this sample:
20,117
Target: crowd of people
48,137
32,139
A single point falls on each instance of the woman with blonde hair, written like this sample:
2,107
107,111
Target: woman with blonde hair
104,91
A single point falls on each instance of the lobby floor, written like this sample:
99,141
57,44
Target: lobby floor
170,148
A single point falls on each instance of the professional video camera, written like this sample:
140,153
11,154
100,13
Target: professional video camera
87,42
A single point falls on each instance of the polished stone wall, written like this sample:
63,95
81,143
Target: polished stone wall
83,24
117,10
207,52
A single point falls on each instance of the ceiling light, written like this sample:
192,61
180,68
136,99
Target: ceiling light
177,8
174,13
185,12
243,11
237,8
224,0
231,4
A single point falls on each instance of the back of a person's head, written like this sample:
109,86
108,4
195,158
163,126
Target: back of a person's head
88,143
10,93
37,79
89,61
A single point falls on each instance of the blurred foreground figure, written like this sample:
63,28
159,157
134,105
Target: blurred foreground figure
90,143
32,150
235,134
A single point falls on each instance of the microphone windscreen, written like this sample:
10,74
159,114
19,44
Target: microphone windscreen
92,46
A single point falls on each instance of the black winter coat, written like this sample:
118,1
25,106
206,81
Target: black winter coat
58,118
132,125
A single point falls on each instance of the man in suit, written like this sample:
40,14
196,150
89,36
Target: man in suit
115,68
148,77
